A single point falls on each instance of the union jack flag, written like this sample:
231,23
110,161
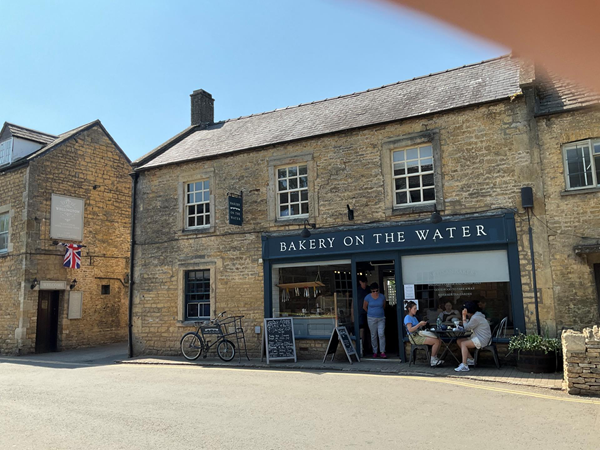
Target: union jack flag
72,256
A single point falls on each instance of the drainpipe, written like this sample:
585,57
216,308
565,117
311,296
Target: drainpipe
134,177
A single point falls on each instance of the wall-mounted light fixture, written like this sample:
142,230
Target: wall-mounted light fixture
34,283
435,215
126,280
305,233
73,284
350,213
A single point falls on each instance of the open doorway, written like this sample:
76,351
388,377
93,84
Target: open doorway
46,337
383,273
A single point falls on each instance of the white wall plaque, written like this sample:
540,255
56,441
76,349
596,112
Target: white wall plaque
66,218
75,303
53,285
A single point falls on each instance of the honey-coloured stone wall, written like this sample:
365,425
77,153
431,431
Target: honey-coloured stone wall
88,166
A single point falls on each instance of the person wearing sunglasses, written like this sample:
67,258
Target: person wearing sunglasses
374,305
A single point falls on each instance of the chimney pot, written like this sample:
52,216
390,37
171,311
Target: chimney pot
203,108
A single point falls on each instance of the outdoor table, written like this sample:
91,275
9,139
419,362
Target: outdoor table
448,337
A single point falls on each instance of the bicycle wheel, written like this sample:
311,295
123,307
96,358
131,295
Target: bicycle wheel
226,350
191,346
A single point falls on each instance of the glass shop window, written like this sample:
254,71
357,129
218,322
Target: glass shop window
444,282
315,295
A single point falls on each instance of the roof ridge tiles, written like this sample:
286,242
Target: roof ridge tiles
485,61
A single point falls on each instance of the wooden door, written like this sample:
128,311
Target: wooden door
46,339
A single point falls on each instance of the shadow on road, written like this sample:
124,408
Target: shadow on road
72,359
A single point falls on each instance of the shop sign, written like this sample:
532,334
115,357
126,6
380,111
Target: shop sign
66,218
236,210
53,285
445,234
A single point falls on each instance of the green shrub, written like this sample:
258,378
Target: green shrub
533,342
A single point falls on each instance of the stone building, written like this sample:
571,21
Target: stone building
370,171
73,188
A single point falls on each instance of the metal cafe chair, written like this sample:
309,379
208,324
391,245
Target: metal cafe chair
499,331
413,351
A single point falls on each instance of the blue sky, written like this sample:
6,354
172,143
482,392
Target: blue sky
132,64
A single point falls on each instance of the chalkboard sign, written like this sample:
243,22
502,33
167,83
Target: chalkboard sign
340,334
280,342
236,210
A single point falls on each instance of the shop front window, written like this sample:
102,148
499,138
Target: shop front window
443,283
315,295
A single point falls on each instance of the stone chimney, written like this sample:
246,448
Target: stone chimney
203,109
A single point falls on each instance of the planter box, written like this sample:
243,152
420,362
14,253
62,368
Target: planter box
536,361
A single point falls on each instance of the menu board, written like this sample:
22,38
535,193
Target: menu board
340,334
279,339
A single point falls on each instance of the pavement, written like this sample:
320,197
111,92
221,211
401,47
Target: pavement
117,353
82,400
506,374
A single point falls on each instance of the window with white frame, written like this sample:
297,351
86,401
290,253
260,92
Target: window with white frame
292,191
582,164
5,152
197,294
413,175
4,224
197,204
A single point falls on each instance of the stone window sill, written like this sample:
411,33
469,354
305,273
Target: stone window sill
399,211
295,221
581,191
198,230
190,323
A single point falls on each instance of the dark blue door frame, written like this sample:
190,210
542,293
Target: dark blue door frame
380,256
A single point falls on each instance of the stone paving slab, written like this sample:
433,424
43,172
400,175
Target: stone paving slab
508,374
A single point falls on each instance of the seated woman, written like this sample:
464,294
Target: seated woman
482,335
448,313
413,325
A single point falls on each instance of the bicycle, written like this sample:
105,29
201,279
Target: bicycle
194,343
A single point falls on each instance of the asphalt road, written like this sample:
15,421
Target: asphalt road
67,405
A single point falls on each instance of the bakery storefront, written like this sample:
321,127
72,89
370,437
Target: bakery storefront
314,279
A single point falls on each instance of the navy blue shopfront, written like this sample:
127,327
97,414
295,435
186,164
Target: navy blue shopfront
392,242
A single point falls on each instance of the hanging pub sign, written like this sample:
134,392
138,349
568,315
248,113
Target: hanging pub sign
236,209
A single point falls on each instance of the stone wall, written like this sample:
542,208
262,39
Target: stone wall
90,167
569,216
486,154
13,198
581,353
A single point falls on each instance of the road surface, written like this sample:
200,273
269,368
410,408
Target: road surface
68,405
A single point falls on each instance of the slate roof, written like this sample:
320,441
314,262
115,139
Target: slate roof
487,81
56,141
558,95
29,134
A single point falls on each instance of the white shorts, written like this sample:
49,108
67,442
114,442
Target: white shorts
477,342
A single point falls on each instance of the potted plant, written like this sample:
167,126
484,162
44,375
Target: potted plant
535,353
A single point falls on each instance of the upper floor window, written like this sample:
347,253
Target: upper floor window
413,175
582,164
4,223
197,294
197,204
292,191
5,152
